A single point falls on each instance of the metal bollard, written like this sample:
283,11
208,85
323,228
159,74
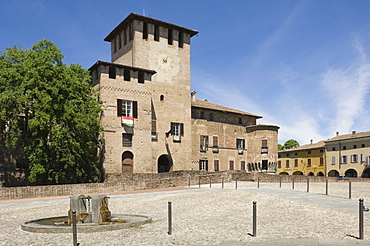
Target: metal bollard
308,184
199,181
258,182
210,182
361,218
349,190
236,183
280,182
327,187
222,182
169,218
189,181
293,183
254,219
74,228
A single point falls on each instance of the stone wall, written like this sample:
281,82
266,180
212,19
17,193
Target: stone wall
142,181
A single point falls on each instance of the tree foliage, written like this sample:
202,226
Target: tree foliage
50,108
291,143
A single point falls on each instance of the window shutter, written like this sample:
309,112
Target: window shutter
182,129
172,128
119,107
154,126
134,109
243,143
206,140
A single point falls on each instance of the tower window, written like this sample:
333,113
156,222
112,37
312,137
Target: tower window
112,72
141,77
130,32
145,30
181,39
126,75
126,108
169,39
119,41
115,45
161,98
156,33
124,37
126,140
240,121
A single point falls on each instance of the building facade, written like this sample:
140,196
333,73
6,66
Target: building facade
153,124
307,160
349,155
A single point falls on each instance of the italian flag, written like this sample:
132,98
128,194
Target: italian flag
128,121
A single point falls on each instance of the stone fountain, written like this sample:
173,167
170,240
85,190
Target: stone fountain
92,215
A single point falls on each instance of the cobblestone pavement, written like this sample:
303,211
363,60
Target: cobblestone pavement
211,216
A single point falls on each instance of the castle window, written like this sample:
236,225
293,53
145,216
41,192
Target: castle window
242,165
126,108
156,33
240,121
287,163
240,144
355,146
333,149
215,144
295,162
308,162
124,37
130,32
264,148
216,165
203,165
141,77
170,39
354,158
231,165
161,97
126,75
203,143
181,39
145,30
119,41
112,72
154,130
362,145
126,139
177,130
343,159
211,116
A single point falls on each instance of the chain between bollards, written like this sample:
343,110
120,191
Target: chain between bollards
361,218
169,218
254,219
74,228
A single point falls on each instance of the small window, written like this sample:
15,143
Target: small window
308,162
141,77
354,158
264,148
287,163
126,75
231,165
321,161
362,145
177,130
343,159
161,97
126,139
295,162
242,165
355,146
201,115
309,152
119,41
211,116
344,147
156,33
203,143
362,156
279,164
145,30
333,160
240,121
181,39
333,149
240,145
216,165
287,155
203,165
112,72
170,39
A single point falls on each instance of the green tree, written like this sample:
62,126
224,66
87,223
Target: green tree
49,111
280,147
291,143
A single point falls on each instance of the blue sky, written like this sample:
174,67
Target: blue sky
302,65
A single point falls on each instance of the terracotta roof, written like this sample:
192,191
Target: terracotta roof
349,136
134,16
319,144
205,104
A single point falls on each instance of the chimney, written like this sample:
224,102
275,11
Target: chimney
193,93
337,134
311,141
353,132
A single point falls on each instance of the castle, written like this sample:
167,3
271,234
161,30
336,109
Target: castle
154,123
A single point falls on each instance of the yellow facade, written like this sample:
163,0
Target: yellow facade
304,160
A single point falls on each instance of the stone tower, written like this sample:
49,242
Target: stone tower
145,91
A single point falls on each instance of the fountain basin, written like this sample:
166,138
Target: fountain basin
57,225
